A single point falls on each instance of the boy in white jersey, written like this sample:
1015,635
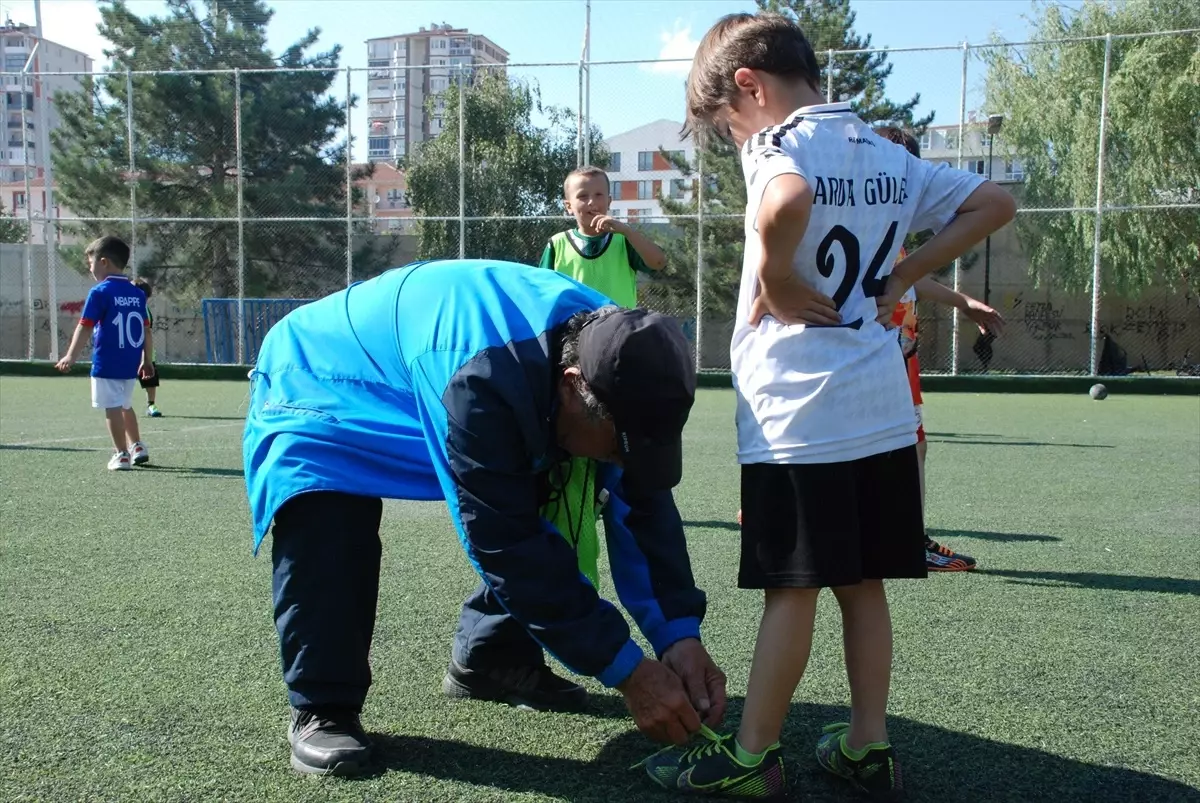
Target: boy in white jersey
826,430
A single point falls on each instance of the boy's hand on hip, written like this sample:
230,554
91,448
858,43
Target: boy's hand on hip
703,681
789,300
885,304
660,707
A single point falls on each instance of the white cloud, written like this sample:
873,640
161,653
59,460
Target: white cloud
676,44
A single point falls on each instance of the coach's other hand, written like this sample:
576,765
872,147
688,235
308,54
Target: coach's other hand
703,681
660,707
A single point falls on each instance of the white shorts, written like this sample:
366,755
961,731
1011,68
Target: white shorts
110,393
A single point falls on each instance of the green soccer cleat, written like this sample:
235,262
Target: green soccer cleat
873,770
711,768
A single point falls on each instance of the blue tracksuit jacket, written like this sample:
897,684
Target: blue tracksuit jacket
437,381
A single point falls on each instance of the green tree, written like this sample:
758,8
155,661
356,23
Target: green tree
859,79
1050,95
185,156
514,167
12,229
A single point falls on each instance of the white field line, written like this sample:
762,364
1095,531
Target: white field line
144,432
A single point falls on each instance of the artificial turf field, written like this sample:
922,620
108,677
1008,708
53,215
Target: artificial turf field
138,658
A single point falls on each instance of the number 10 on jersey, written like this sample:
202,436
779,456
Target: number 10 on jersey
125,329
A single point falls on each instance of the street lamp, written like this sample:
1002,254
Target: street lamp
983,344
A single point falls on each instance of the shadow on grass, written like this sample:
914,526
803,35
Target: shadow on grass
194,470
1106,582
939,765
987,439
946,535
16,447
714,525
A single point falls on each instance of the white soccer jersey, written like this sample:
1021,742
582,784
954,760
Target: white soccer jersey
821,394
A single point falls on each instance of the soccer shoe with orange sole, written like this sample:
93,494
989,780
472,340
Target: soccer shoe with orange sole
939,558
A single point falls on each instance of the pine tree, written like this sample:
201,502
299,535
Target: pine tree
185,156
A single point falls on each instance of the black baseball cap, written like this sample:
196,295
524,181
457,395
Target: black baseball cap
639,364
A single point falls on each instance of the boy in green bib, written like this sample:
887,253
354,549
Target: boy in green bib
605,254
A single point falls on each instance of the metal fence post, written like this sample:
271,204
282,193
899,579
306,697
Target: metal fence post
829,76
579,113
587,85
699,256
241,217
29,300
462,169
132,173
50,227
349,188
962,119
1093,364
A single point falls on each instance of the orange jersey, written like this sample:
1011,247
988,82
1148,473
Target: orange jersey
904,317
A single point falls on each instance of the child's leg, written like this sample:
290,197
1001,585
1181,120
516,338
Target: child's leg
780,657
130,423
132,432
867,639
893,534
799,535
116,428
150,395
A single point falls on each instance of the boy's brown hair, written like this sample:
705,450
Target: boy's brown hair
900,136
144,286
587,171
768,42
109,247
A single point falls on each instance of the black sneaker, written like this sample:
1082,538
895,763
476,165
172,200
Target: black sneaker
329,742
530,687
875,772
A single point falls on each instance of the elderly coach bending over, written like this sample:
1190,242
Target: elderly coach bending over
469,380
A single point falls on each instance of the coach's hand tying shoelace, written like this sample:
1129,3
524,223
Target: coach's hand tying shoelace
659,705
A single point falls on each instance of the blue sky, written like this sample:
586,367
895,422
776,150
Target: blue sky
623,96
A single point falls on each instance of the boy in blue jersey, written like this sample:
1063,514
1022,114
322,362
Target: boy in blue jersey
115,312
469,381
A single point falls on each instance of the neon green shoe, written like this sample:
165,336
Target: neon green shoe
712,768
873,770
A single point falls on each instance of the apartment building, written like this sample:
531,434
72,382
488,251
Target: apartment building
406,71
17,42
939,143
639,172
385,196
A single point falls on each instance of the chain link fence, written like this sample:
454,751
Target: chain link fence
256,204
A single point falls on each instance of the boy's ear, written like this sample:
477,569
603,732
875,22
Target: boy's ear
749,83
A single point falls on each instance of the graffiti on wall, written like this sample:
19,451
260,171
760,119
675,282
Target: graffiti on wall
1043,319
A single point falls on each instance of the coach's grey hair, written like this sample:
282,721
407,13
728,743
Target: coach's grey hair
594,408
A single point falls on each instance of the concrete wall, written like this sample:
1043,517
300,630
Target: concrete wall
1048,329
